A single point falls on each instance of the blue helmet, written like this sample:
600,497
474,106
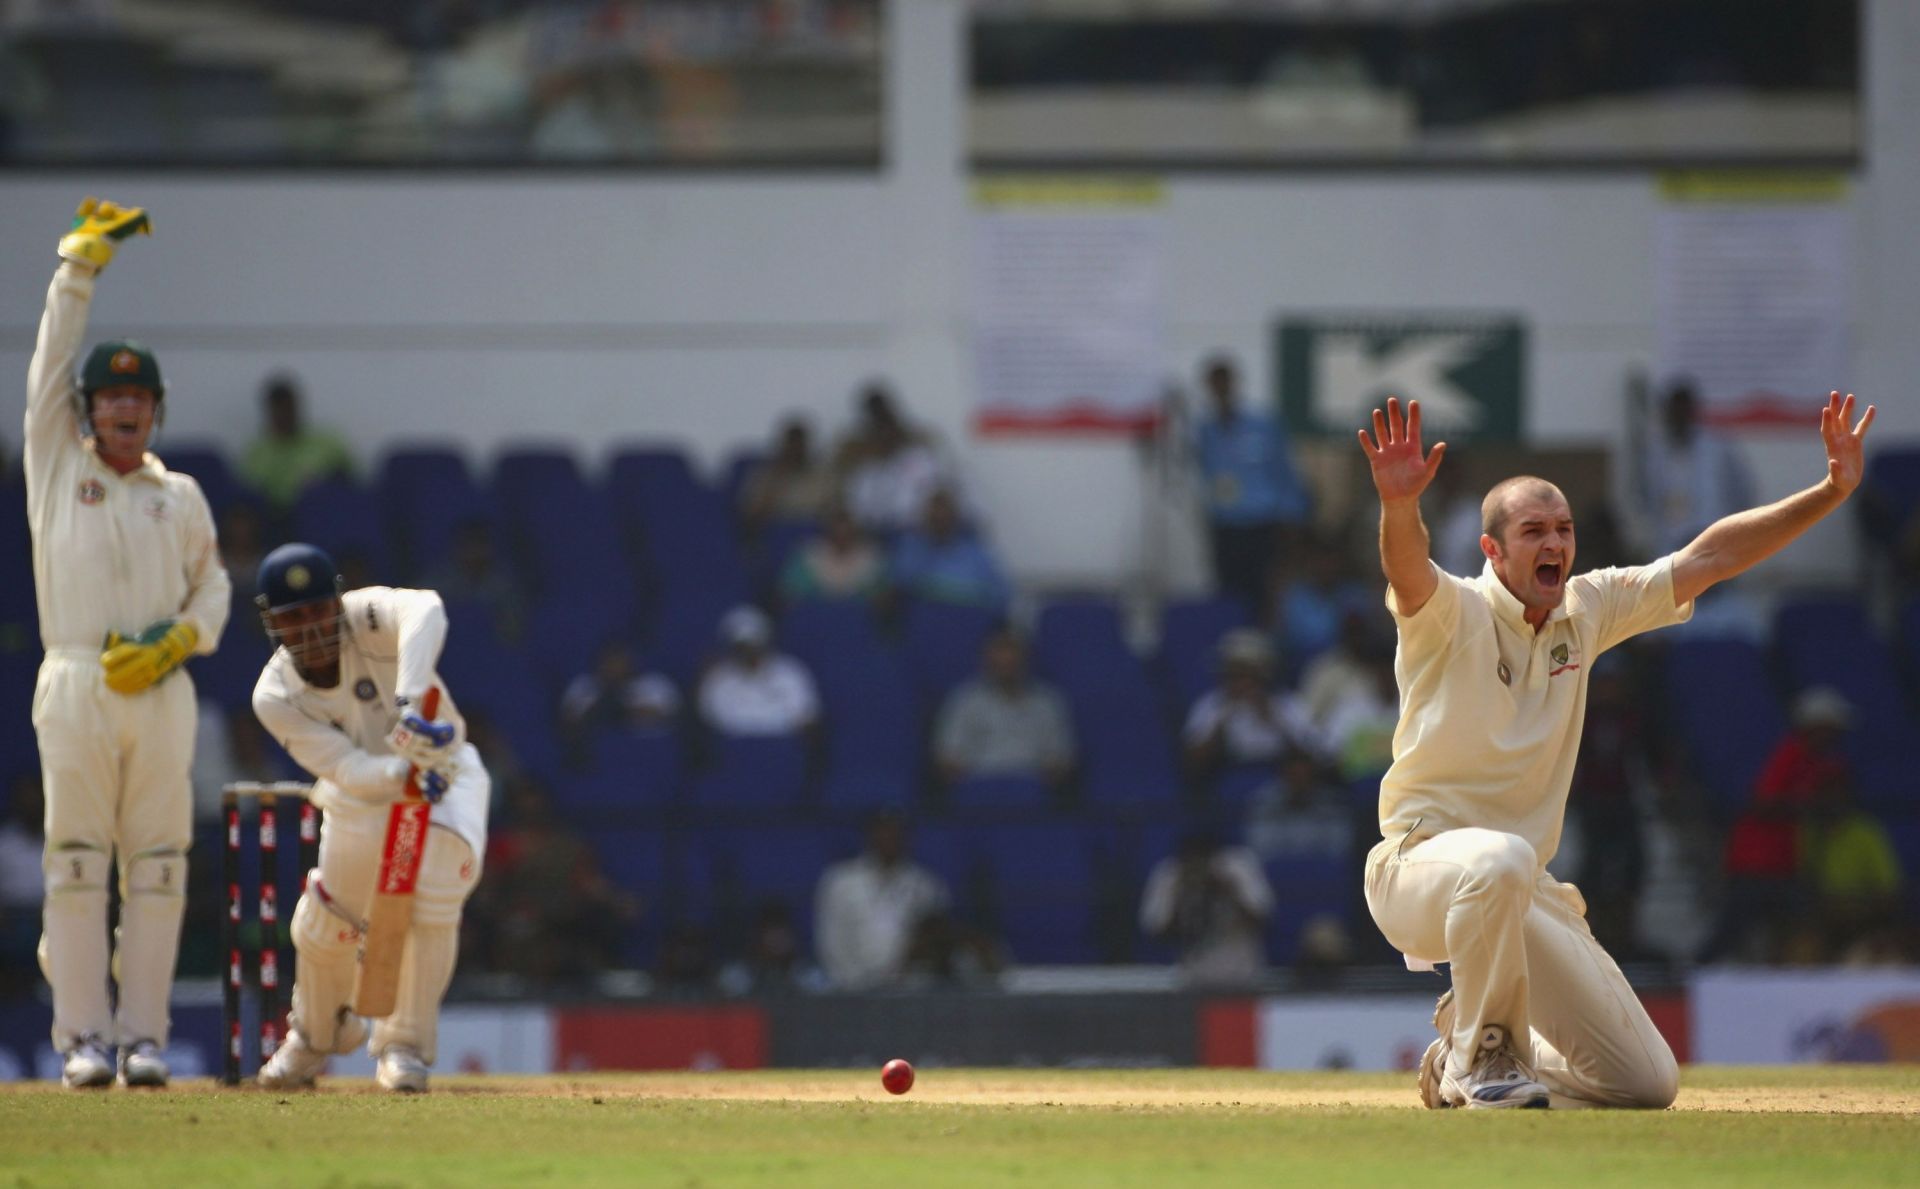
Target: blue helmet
294,574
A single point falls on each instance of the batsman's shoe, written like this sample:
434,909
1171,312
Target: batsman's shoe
142,1065
1498,1079
402,1071
293,1065
1433,1066
87,1066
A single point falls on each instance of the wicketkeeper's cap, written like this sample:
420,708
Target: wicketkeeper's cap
118,362
295,574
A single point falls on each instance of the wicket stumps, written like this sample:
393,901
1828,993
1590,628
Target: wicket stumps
266,963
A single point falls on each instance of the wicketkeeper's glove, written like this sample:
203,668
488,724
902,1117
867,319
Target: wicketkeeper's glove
134,665
98,228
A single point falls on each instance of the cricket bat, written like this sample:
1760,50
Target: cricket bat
376,981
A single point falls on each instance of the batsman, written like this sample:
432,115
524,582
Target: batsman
1493,687
352,693
129,585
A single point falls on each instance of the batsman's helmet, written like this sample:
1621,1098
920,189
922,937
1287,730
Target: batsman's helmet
294,574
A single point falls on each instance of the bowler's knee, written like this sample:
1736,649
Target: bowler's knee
1655,1084
1505,866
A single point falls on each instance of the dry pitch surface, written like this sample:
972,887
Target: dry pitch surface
1857,1125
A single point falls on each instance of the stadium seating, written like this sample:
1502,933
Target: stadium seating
1190,629
427,492
207,463
1829,641
1721,701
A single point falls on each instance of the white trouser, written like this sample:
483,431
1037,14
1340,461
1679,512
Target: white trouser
115,769
1522,957
327,941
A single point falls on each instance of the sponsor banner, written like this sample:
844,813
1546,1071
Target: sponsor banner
731,1037
480,1039
1768,1017
1230,1033
1467,371
1061,1030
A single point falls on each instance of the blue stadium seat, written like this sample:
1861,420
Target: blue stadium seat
873,734
1304,889
207,463
1044,888
822,634
683,633
1190,629
942,643
1080,636
344,517
992,796
566,630
1830,641
19,617
1721,701
1234,788
485,675
640,862
728,873
733,477
560,525
427,491
629,771
753,776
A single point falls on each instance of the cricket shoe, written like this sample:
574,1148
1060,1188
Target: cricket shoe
87,1066
1498,1079
293,1066
1433,1066
402,1071
142,1065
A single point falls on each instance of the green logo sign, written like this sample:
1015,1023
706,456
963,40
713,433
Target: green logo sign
1465,372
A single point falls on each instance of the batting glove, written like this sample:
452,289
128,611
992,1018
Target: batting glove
98,229
434,782
421,743
135,665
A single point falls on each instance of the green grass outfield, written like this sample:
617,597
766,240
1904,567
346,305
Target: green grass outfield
1852,1125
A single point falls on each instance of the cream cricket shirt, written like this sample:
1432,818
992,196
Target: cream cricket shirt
109,552
1491,711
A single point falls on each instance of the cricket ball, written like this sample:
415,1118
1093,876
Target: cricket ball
897,1076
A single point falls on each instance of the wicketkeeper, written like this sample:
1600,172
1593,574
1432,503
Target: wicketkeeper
343,694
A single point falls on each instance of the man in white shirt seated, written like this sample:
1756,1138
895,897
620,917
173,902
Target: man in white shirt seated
1243,720
867,908
753,690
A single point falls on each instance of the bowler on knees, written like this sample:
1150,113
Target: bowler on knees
1493,686
342,693
129,585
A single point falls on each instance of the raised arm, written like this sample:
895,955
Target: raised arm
1401,471
1734,544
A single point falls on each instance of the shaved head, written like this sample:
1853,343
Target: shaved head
1494,509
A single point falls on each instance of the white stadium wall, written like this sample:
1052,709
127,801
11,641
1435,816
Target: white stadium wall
603,308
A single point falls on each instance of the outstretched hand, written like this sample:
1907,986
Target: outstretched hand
1845,441
1401,469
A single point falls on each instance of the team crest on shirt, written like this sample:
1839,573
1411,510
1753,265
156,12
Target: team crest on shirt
364,689
92,491
156,509
1566,658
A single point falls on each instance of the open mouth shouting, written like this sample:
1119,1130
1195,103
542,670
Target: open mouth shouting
1549,575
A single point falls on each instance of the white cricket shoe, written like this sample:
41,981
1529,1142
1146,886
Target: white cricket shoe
87,1066
1498,1079
142,1065
401,1070
293,1065
1433,1065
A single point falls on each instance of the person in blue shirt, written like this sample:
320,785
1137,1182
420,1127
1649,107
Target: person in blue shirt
1252,491
944,561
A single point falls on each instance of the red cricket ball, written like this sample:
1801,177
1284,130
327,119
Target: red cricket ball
897,1076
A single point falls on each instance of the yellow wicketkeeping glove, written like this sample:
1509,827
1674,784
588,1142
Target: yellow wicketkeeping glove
98,228
133,665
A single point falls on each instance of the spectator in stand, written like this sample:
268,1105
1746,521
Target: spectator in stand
243,542
472,573
548,913
1211,902
1299,814
1313,601
1003,722
1243,720
1855,877
615,695
1253,493
22,889
867,908
1764,897
1613,763
771,962
890,469
945,952
1344,670
1360,727
842,564
793,484
1688,474
753,690
289,455
943,561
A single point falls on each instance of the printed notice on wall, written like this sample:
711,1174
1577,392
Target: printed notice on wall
1068,308
1754,292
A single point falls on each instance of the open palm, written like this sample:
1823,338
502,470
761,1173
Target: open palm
1401,469
1846,442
